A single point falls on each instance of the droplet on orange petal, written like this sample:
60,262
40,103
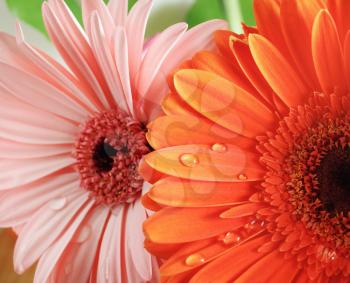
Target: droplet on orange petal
189,160
194,259
218,147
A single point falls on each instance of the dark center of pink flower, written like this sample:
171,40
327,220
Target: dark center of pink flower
108,152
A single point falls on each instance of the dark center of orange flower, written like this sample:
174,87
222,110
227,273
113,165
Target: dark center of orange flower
319,170
333,175
108,152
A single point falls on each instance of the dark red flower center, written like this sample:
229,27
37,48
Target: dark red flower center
333,175
108,152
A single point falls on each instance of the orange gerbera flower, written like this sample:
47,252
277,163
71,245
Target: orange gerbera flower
252,168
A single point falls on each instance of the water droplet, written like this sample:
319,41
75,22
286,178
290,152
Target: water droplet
231,238
218,147
189,160
84,234
242,177
58,203
194,259
251,225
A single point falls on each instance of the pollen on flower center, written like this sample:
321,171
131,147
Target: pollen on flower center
108,152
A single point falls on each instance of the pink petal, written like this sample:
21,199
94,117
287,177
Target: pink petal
17,172
29,198
98,6
23,123
37,63
11,149
74,48
156,54
110,261
77,262
40,94
140,264
57,76
122,62
48,261
45,226
135,30
119,11
199,37
105,58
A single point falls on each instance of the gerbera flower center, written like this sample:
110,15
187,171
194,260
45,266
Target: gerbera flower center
318,167
308,179
333,175
108,152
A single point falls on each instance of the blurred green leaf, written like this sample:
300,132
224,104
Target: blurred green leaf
131,3
29,11
204,10
247,12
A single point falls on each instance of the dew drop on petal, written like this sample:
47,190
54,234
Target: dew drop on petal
218,147
251,225
242,177
84,234
194,259
231,238
189,160
58,203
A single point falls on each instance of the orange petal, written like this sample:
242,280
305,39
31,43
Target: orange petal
162,251
170,78
187,193
347,57
279,270
267,16
223,102
277,71
297,19
181,225
148,173
212,62
246,61
339,10
174,105
206,250
177,261
178,278
180,130
200,162
242,210
150,204
230,265
222,40
327,54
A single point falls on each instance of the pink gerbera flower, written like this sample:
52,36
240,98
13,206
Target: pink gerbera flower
71,139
